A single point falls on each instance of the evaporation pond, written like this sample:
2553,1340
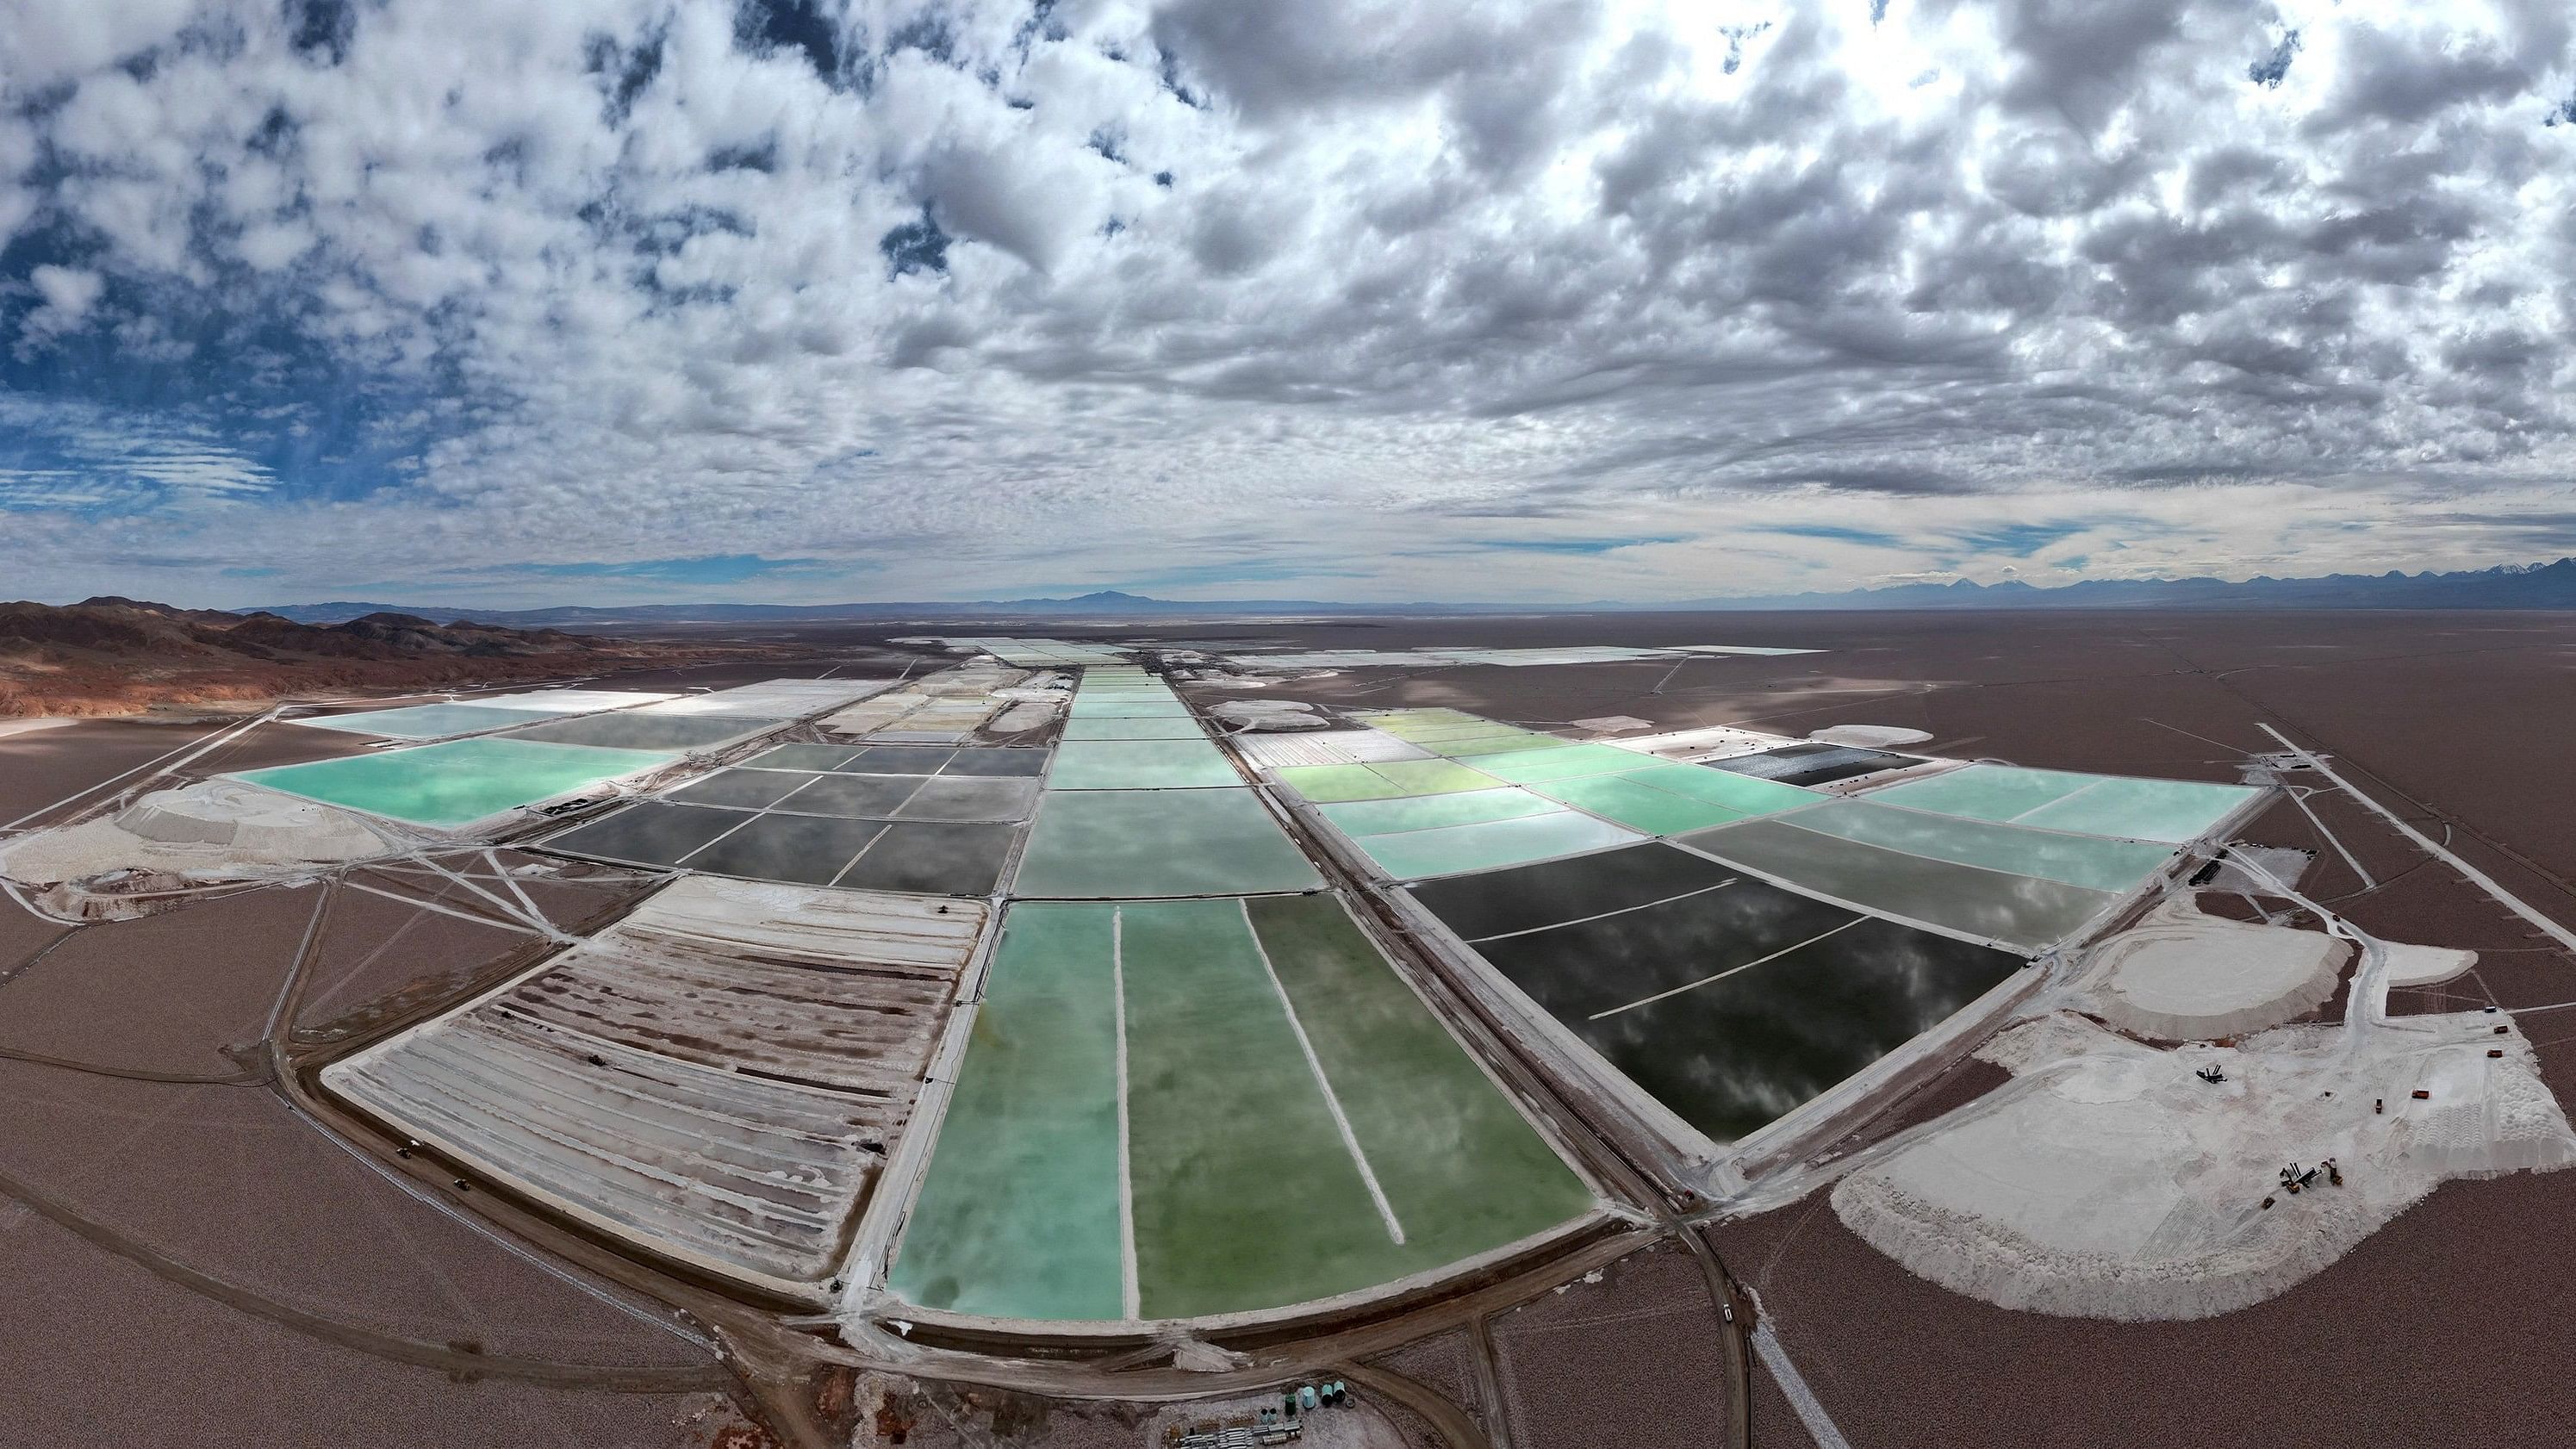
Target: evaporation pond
1734,1004
2084,860
1140,765
1218,1015
421,721
642,729
2171,811
1100,844
457,782
1449,849
1551,893
1996,905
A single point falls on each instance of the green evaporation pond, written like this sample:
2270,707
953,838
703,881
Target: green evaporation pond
1429,812
1984,792
1485,746
1239,1028
1140,765
1532,766
1463,1170
1099,844
1386,781
1018,1216
1402,720
1098,727
1638,806
2084,860
2173,811
1743,794
457,782
1451,849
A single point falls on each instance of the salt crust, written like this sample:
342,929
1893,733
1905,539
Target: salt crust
2179,975
2109,1181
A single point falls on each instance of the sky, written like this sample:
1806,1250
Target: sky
612,301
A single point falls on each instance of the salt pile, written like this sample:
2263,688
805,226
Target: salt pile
211,830
1270,714
2111,1179
1870,737
2179,975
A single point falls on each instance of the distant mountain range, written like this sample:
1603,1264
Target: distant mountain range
1103,604
2511,586
108,655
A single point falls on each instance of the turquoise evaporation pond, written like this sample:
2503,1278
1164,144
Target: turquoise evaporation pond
1116,708
423,721
1098,727
1105,844
1140,765
2172,811
457,782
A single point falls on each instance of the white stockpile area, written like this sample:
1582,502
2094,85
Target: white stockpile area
2109,1180
950,705
2179,975
1270,714
210,831
1710,742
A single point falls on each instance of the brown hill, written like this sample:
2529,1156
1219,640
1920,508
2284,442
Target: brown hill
107,655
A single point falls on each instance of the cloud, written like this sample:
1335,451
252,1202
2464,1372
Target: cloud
68,295
47,41
711,569
1424,301
1572,545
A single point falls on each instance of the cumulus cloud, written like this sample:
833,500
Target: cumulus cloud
969,296
68,295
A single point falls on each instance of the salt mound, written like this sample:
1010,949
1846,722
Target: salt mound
2109,1181
2179,975
1270,714
1870,737
209,831
2424,965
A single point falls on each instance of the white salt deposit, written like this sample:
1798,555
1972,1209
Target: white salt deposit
2261,870
2425,965
1870,737
1710,742
2108,1180
209,831
2179,975
1270,714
